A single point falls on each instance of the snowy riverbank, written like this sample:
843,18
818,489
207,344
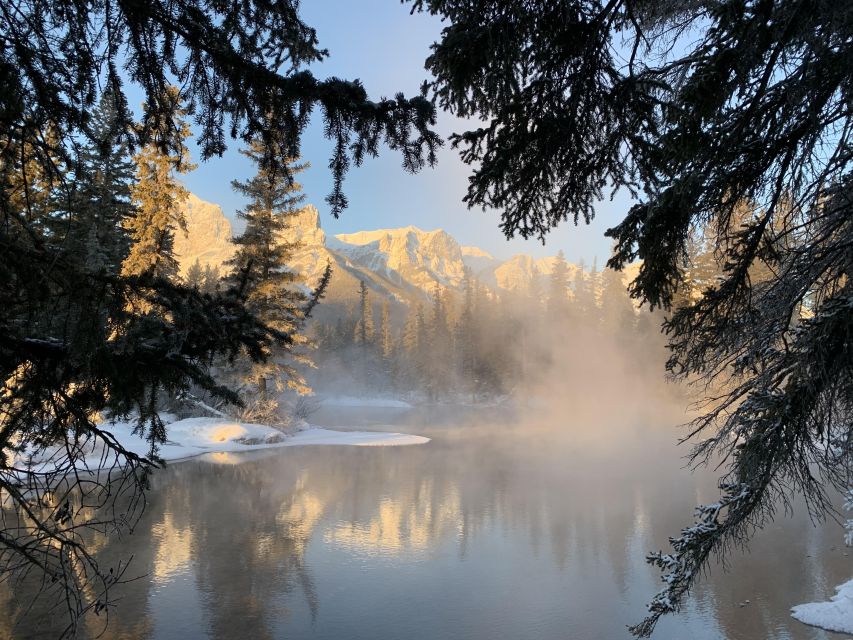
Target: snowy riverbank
199,436
196,436
835,614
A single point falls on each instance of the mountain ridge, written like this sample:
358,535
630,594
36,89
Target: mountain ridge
402,265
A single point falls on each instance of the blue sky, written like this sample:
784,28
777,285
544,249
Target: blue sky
380,43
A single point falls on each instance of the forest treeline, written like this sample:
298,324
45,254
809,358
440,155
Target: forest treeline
475,343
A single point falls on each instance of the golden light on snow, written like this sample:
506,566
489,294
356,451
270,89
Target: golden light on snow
225,457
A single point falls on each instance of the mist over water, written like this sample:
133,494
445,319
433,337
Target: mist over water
516,521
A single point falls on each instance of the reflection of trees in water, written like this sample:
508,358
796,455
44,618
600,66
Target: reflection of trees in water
243,531
251,525
25,614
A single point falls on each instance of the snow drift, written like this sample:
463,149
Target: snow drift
834,615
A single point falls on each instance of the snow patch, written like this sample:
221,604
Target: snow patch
833,615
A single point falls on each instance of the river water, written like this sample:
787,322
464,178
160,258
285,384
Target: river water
508,525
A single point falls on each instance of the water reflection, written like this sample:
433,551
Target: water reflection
490,531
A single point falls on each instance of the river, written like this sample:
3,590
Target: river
509,524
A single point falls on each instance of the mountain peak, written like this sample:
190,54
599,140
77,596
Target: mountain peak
305,228
476,252
208,237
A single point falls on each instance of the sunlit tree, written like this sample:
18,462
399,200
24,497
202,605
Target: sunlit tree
262,272
158,200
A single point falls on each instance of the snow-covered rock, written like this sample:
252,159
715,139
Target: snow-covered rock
305,228
480,262
516,273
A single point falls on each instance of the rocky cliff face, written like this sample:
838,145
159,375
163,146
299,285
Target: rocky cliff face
208,237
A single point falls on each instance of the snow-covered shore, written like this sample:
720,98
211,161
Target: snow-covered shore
835,614
199,436
196,436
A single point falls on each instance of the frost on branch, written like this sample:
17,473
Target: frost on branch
691,550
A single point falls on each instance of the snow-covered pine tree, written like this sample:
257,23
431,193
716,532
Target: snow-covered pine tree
261,274
158,198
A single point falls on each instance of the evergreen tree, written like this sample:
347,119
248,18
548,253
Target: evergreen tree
424,352
364,327
408,353
386,342
34,179
584,297
260,269
210,280
594,285
411,333
205,280
386,346
195,275
616,308
535,294
466,334
103,180
558,290
439,361
158,200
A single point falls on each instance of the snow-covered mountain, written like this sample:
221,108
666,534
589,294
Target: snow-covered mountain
405,256
402,265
